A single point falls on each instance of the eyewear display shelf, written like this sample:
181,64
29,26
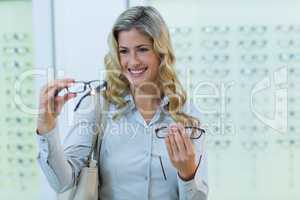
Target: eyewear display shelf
241,69
18,167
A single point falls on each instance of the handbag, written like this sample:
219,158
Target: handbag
87,185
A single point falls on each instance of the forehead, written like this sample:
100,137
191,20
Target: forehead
133,37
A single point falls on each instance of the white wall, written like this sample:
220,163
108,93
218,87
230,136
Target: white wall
81,29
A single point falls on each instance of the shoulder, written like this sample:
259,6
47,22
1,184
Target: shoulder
84,120
190,108
87,107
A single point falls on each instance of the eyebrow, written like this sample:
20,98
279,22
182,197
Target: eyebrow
141,45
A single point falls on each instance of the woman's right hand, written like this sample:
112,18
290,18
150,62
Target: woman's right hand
50,104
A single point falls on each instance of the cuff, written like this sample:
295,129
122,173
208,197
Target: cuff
201,185
186,185
47,141
194,185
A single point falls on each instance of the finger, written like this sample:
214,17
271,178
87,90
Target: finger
169,147
59,83
179,142
173,144
189,145
49,86
183,134
49,100
187,140
53,92
61,100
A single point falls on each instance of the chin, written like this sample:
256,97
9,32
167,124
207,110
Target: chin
136,83
140,81
150,86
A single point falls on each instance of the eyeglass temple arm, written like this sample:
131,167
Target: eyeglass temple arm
77,106
98,89
104,84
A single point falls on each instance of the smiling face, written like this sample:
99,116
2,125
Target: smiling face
140,64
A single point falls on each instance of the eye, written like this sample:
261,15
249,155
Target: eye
123,51
143,49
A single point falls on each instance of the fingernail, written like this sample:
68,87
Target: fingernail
172,125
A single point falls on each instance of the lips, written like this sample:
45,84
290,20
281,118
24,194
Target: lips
137,71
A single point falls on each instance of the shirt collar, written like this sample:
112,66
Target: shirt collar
131,105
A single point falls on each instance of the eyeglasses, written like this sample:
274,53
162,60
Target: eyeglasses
214,59
289,57
181,31
92,87
253,30
208,30
253,44
284,29
16,50
192,131
214,44
12,37
254,58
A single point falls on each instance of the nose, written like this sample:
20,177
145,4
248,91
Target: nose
133,59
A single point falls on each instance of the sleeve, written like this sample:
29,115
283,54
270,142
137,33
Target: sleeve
197,188
61,163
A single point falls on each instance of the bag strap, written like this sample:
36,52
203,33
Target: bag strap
100,124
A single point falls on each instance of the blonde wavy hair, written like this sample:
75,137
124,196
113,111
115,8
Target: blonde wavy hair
148,21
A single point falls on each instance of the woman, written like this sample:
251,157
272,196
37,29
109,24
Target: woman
143,94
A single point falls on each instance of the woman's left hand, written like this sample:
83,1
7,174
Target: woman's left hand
181,151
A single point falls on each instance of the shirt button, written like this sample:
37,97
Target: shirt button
147,130
43,140
146,178
146,153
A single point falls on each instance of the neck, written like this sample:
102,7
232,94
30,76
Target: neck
146,99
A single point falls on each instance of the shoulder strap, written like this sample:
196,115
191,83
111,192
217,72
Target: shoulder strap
100,124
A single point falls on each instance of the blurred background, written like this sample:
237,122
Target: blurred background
238,60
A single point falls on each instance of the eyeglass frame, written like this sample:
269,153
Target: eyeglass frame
92,91
86,83
160,159
185,127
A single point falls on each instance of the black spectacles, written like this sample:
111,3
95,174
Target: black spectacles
193,132
82,86
93,87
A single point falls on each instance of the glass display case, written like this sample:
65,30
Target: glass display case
239,62
19,176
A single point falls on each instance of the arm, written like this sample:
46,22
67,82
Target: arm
197,187
62,163
52,162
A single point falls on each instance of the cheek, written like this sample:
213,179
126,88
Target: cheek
123,63
155,66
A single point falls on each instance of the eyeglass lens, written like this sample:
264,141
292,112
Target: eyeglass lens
192,132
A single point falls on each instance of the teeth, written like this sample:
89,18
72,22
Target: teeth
137,71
